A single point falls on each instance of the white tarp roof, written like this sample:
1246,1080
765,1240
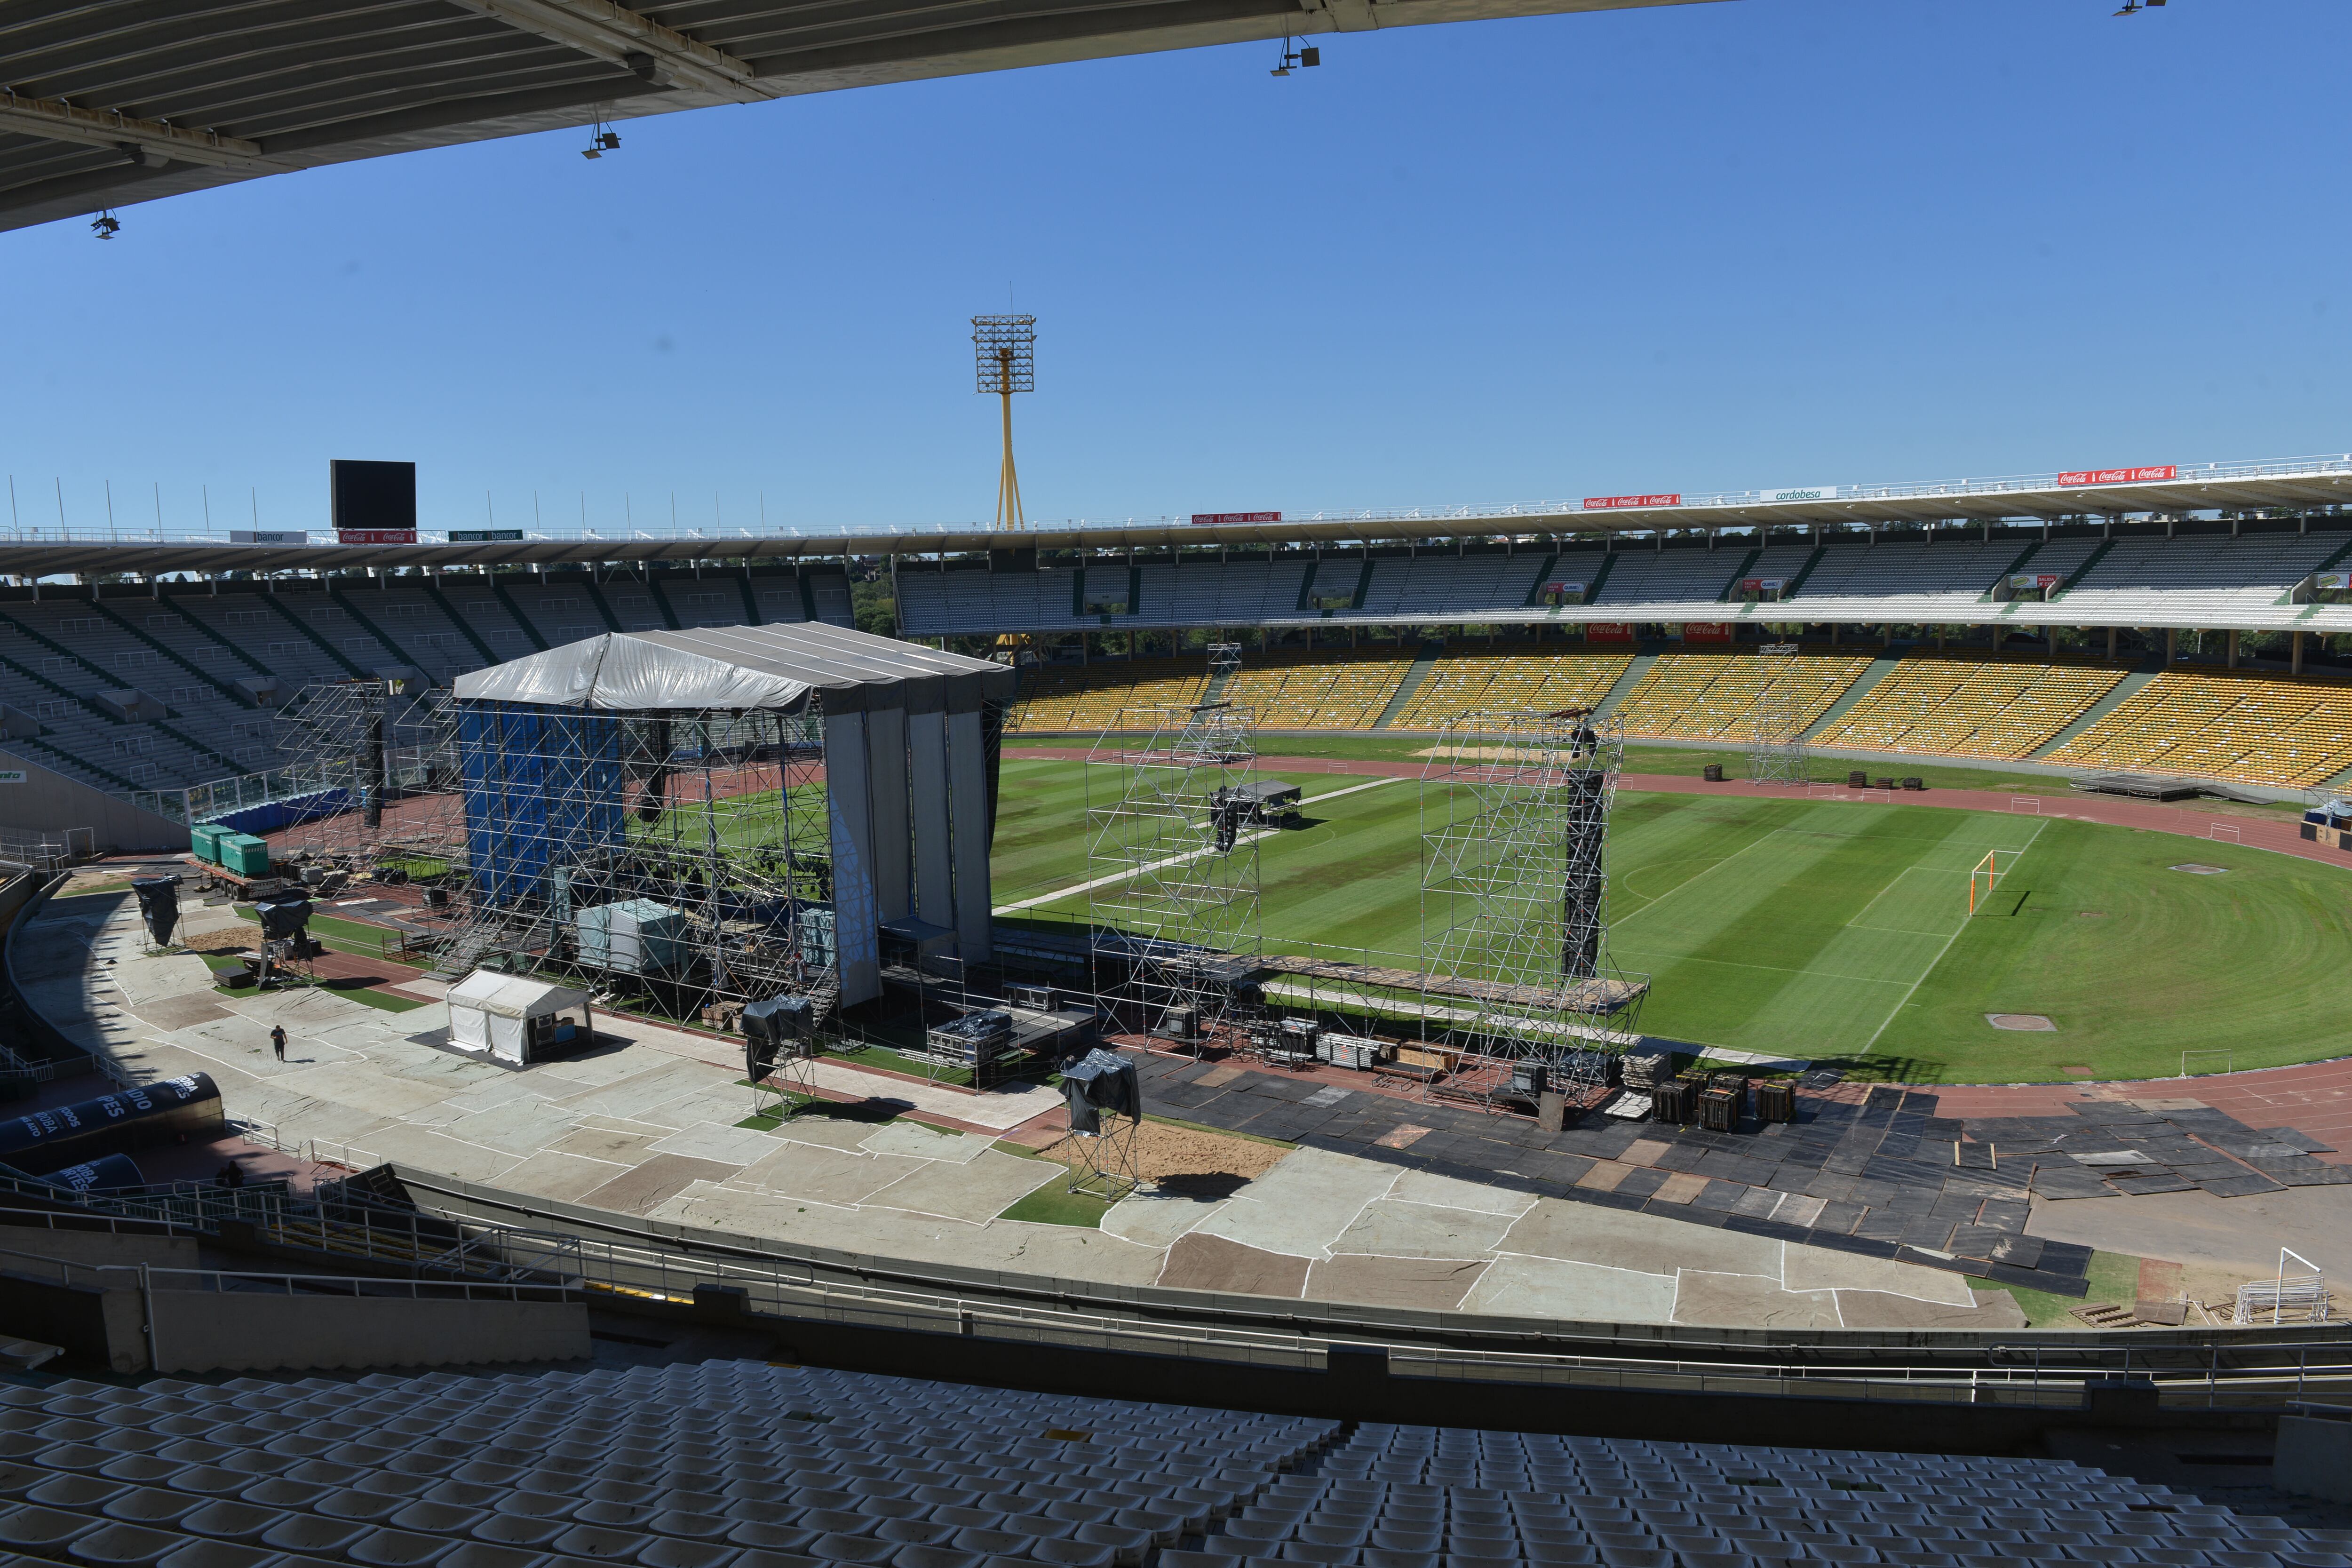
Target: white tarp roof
736,668
513,995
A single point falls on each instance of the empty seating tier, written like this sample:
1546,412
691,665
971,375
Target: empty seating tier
744,1465
1713,696
1316,689
1120,694
2256,729
1504,680
1986,706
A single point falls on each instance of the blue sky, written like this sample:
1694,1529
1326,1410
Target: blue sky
1761,242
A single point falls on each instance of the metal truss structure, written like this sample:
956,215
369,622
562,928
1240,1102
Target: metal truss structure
1776,740
1515,884
1102,1164
372,775
1172,853
789,1084
685,858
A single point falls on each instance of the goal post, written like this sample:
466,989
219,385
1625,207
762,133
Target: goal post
1987,876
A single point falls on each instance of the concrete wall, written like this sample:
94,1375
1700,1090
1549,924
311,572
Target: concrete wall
97,1247
48,801
243,1331
104,1323
2314,1457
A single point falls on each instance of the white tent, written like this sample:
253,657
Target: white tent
516,1020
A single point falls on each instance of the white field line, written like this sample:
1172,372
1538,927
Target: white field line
1263,833
1759,839
1905,999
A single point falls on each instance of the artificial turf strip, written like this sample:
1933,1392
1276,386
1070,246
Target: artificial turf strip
2114,1278
1050,1204
1840,931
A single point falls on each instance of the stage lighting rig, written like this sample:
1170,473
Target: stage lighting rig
1303,57
603,141
106,226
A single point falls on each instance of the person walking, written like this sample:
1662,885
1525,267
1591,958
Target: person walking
277,1040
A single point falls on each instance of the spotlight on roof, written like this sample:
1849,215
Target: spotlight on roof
601,142
106,226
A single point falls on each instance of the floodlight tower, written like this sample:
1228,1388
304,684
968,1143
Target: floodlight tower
1006,349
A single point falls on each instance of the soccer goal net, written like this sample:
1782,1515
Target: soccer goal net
1987,876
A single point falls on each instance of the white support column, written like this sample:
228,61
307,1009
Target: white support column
858,953
886,794
968,804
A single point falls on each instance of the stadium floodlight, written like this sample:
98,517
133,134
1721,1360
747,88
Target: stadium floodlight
1004,351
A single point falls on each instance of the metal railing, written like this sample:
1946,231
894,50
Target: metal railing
155,1277
850,535
447,1247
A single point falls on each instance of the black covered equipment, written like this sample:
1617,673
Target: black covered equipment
1097,1084
158,906
285,918
43,1141
769,1027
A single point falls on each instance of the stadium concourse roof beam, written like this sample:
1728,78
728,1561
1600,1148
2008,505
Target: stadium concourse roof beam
109,102
2293,484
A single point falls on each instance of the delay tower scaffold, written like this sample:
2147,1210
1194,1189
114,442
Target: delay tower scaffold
1514,886
1775,738
1172,850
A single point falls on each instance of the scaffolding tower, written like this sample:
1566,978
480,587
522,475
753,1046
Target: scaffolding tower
1776,737
372,774
1172,853
684,855
1515,885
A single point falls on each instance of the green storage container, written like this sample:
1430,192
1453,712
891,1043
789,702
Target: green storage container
205,839
244,855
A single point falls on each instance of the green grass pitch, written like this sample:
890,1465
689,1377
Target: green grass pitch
1841,933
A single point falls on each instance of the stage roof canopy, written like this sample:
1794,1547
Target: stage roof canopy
741,669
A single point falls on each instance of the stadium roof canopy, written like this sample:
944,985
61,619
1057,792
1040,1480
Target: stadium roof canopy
2296,484
107,102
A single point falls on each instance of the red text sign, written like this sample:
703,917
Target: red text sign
1604,503
1608,631
375,536
1214,518
1706,631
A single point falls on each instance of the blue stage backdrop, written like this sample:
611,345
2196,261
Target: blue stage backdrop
541,784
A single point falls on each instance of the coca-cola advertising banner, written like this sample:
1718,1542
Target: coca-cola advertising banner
1708,631
2120,476
1607,503
1608,631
